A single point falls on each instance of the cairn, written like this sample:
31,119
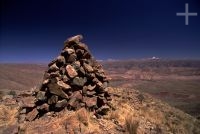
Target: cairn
73,80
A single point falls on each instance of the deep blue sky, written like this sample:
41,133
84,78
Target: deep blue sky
34,30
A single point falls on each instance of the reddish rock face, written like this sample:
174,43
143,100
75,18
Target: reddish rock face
73,80
71,71
32,115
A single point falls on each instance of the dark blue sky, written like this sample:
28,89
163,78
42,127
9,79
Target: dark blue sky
34,30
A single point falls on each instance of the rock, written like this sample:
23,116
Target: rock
103,110
65,79
79,81
75,99
79,52
91,87
82,46
76,65
88,68
53,68
90,76
91,93
77,95
68,51
57,90
41,96
45,82
32,115
100,75
22,118
61,103
54,74
51,63
108,98
7,97
53,99
82,71
72,58
71,71
75,39
27,102
86,55
63,85
90,102
23,111
61,59
101,101
43,107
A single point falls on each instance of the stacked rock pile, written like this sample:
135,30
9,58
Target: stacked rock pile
73,80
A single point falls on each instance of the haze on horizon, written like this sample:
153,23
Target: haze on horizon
34,30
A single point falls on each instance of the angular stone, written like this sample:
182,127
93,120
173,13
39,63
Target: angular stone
91,93
82,71
54,80
87,55
82,46
75,39
90,102
41,96
77,95
71,71
108,98
101,101
21,118
76,65
45,82
10,97
90,75
103,110
97,82
43,107
53,99
51,63
63,85
46,75
57,90
62,103
79,81
71,58
23,111
105,84
54,74
100,75
61,59
32,115
79,52
72,102
27,102
65,78
91,87
84,90
53,68
62,70
88,68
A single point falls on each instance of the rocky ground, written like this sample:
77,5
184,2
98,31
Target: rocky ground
132,112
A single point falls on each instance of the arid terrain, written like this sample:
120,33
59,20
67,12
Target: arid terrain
135,109
176,82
